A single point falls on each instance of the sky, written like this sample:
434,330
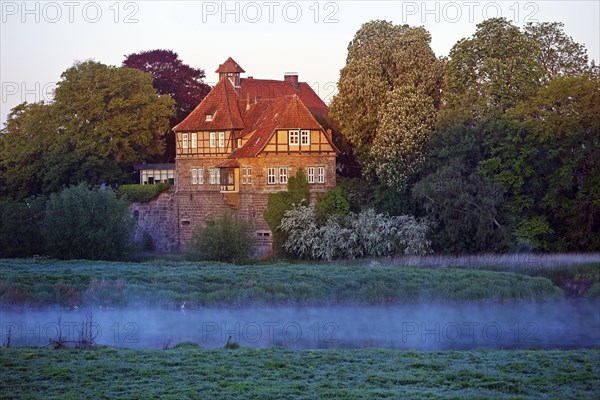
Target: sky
41,39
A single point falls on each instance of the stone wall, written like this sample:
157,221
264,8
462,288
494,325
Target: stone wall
173,217
158,220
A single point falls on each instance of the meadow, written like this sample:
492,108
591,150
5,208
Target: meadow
190,372
36,283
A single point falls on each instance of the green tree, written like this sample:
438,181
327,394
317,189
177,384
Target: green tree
490,72
20,232
298,193
84,223
103,120
225,239
564,117
389,70
558,53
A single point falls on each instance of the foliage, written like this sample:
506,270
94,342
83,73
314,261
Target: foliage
462,203
559,53
278,203
84,223
166,284
333,203
170,76
356,235
564,118
20,234
491,71
224,239
136,193
102,121
388,94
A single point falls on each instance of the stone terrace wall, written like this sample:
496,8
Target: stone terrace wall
157,218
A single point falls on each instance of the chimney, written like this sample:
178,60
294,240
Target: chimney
291,77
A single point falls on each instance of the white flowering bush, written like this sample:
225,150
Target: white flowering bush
354,235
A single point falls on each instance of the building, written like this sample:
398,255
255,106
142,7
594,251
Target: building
244,141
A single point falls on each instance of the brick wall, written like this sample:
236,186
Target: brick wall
172,219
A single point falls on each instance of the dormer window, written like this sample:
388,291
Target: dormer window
208,117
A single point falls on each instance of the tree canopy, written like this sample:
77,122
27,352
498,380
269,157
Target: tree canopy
388,95
102,120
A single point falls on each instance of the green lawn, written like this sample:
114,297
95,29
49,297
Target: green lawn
191,372
165,283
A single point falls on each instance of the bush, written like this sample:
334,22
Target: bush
356,235
142,193
84,223
20,234
333,203
278,203
225,239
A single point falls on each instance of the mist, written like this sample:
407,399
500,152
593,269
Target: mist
562,324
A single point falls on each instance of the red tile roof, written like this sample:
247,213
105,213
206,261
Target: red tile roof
222,104
270,89
229,66
256,109
286,112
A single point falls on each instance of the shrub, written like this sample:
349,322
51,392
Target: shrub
225,239
333,203
84,223
142,193
356,235
278,203
20,234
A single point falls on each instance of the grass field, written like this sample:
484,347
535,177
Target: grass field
190,372
164,283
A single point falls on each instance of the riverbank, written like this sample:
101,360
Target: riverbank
40,283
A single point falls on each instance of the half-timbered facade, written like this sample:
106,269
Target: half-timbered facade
245,140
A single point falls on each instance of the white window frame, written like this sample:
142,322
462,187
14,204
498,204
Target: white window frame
294,137
239,143
213,139
221,139
310,174
246,175
194,140
194,176
208,117
212,175
321,175
271,176
305,138
184,140
283,175
200,176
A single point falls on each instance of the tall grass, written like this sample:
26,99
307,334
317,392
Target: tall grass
26,282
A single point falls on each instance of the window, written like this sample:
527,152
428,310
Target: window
293,138
283,175
305,138
321,175
208,117
239,143
213,140
221,139
194,140
271,177
197,176
311,174
184,140
246,175
213,177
